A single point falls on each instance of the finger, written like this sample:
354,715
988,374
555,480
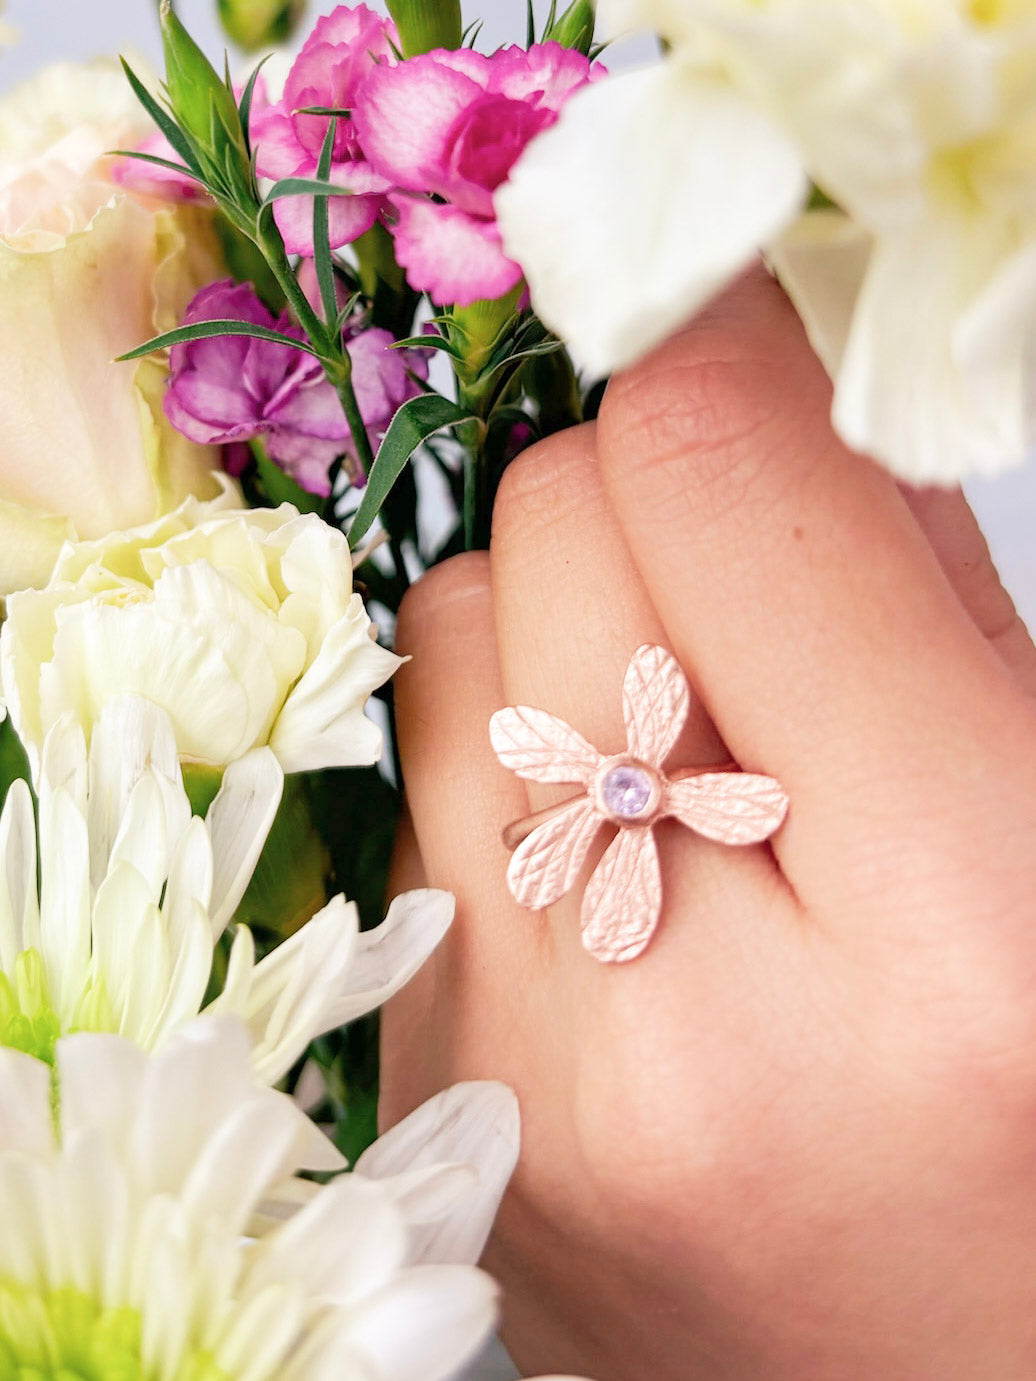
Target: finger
570,605
571,608
458,794
792,576
946,519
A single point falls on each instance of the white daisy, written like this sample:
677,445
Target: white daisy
134,891
138,1240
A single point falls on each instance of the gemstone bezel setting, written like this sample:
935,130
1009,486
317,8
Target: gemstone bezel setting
602,788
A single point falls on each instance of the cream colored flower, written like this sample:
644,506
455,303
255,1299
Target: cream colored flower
241,623
110,923
916,117
155,1227
87,270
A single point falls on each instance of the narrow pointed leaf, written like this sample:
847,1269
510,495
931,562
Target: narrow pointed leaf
164,121
304,187
321,235
244,108
202,330
413,424
180,168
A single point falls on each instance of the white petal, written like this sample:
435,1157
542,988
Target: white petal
821,261
65,897
345,1243
652,191
101,1079
291,996
25,1112
388,956
427,1323
19,899
239,820
473,1124
906,393
322,723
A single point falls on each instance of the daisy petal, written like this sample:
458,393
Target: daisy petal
474,1124
388,956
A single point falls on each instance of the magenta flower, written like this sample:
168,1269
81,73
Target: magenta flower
230,389
343,49
452,124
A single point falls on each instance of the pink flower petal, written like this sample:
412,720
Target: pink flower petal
314,409
403,116
347,218
546,74
278,152
454,257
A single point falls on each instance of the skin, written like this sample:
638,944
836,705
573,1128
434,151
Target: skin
794,1140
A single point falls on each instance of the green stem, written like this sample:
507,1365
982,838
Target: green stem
335,360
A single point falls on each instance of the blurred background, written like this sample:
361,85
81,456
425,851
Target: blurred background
54,29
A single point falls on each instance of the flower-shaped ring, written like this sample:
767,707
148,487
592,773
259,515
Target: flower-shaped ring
623,896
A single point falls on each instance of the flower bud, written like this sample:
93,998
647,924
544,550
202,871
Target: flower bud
201,101
426,24
253,24
575,28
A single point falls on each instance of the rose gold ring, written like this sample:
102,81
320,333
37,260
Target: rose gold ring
623,897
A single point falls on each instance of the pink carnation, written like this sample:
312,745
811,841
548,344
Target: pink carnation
343,49
453,124
225,390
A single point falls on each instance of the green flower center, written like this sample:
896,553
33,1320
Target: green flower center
28,1022
64,1335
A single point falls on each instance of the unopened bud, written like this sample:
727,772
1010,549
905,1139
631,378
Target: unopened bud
254,24
426,24
200,99
575,28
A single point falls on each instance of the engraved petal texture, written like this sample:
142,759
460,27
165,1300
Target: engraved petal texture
540,746
730,807
546,864
655,701
623,897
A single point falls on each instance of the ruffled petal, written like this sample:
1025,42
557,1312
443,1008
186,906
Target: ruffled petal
625,222
454,257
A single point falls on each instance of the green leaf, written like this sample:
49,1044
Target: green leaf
341,112
244,108
304,187
204,330
428,343
164,121
325,269
414,422
13,761
180,168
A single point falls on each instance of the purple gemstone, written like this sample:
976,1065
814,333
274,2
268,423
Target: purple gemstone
626,791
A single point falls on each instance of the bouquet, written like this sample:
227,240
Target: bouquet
292,323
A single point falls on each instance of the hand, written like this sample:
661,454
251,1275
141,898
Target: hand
796,1139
